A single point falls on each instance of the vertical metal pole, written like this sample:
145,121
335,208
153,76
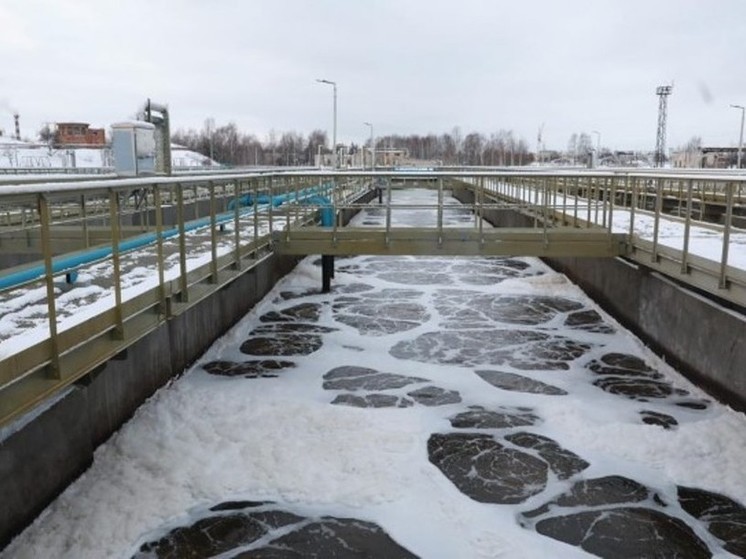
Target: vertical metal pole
588,199
255,182
440,212
213,234
270,210
480,213
236,225
145,209
289,205
388,211
612,199
335,195
196,201
180,218
162,310
336,154
118,332
657,218
633,207
46,246
565,194
553,208
545,209
327,272
596,200
687,228
84,218
576,197
729,187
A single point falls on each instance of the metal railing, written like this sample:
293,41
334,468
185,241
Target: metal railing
193,234
663,215
192,246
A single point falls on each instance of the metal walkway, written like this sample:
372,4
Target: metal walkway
561,241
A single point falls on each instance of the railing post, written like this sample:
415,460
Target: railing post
288,205
196,201
163,310
596,199
183,281
255,182
213,234
270,210
236,225
46,247
545,207
729,187
564,201
576,196
84,219
118,332
387,236
657,218
480,214
440,211
633,206
337,218
612,200
687,228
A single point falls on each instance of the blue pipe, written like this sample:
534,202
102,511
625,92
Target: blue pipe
67,263
279,199
327,212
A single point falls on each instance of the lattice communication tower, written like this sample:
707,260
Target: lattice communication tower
662,92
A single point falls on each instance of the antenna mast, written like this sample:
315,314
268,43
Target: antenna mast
662,92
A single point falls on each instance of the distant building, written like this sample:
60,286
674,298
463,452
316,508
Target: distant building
78,134
706,158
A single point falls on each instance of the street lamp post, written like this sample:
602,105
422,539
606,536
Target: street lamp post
598,141
740,138
372,148
334,137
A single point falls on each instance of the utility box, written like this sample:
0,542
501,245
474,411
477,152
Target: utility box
133,147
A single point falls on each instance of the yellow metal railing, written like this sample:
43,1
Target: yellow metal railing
193,234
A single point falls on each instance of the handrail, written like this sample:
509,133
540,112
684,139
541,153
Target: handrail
552,199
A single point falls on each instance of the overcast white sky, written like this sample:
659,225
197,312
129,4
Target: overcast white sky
406,66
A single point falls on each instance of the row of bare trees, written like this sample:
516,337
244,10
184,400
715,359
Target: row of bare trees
227,145
498,149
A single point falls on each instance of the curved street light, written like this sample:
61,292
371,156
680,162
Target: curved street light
740,138
372,148
334,138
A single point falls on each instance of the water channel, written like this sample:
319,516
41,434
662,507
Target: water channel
427,407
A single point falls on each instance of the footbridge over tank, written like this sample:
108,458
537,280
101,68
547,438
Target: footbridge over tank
476,235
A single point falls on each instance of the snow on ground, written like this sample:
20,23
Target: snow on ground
28,155
205,439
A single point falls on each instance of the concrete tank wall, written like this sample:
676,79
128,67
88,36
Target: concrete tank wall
695,333
40,457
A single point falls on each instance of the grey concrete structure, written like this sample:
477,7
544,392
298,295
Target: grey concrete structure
42,457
